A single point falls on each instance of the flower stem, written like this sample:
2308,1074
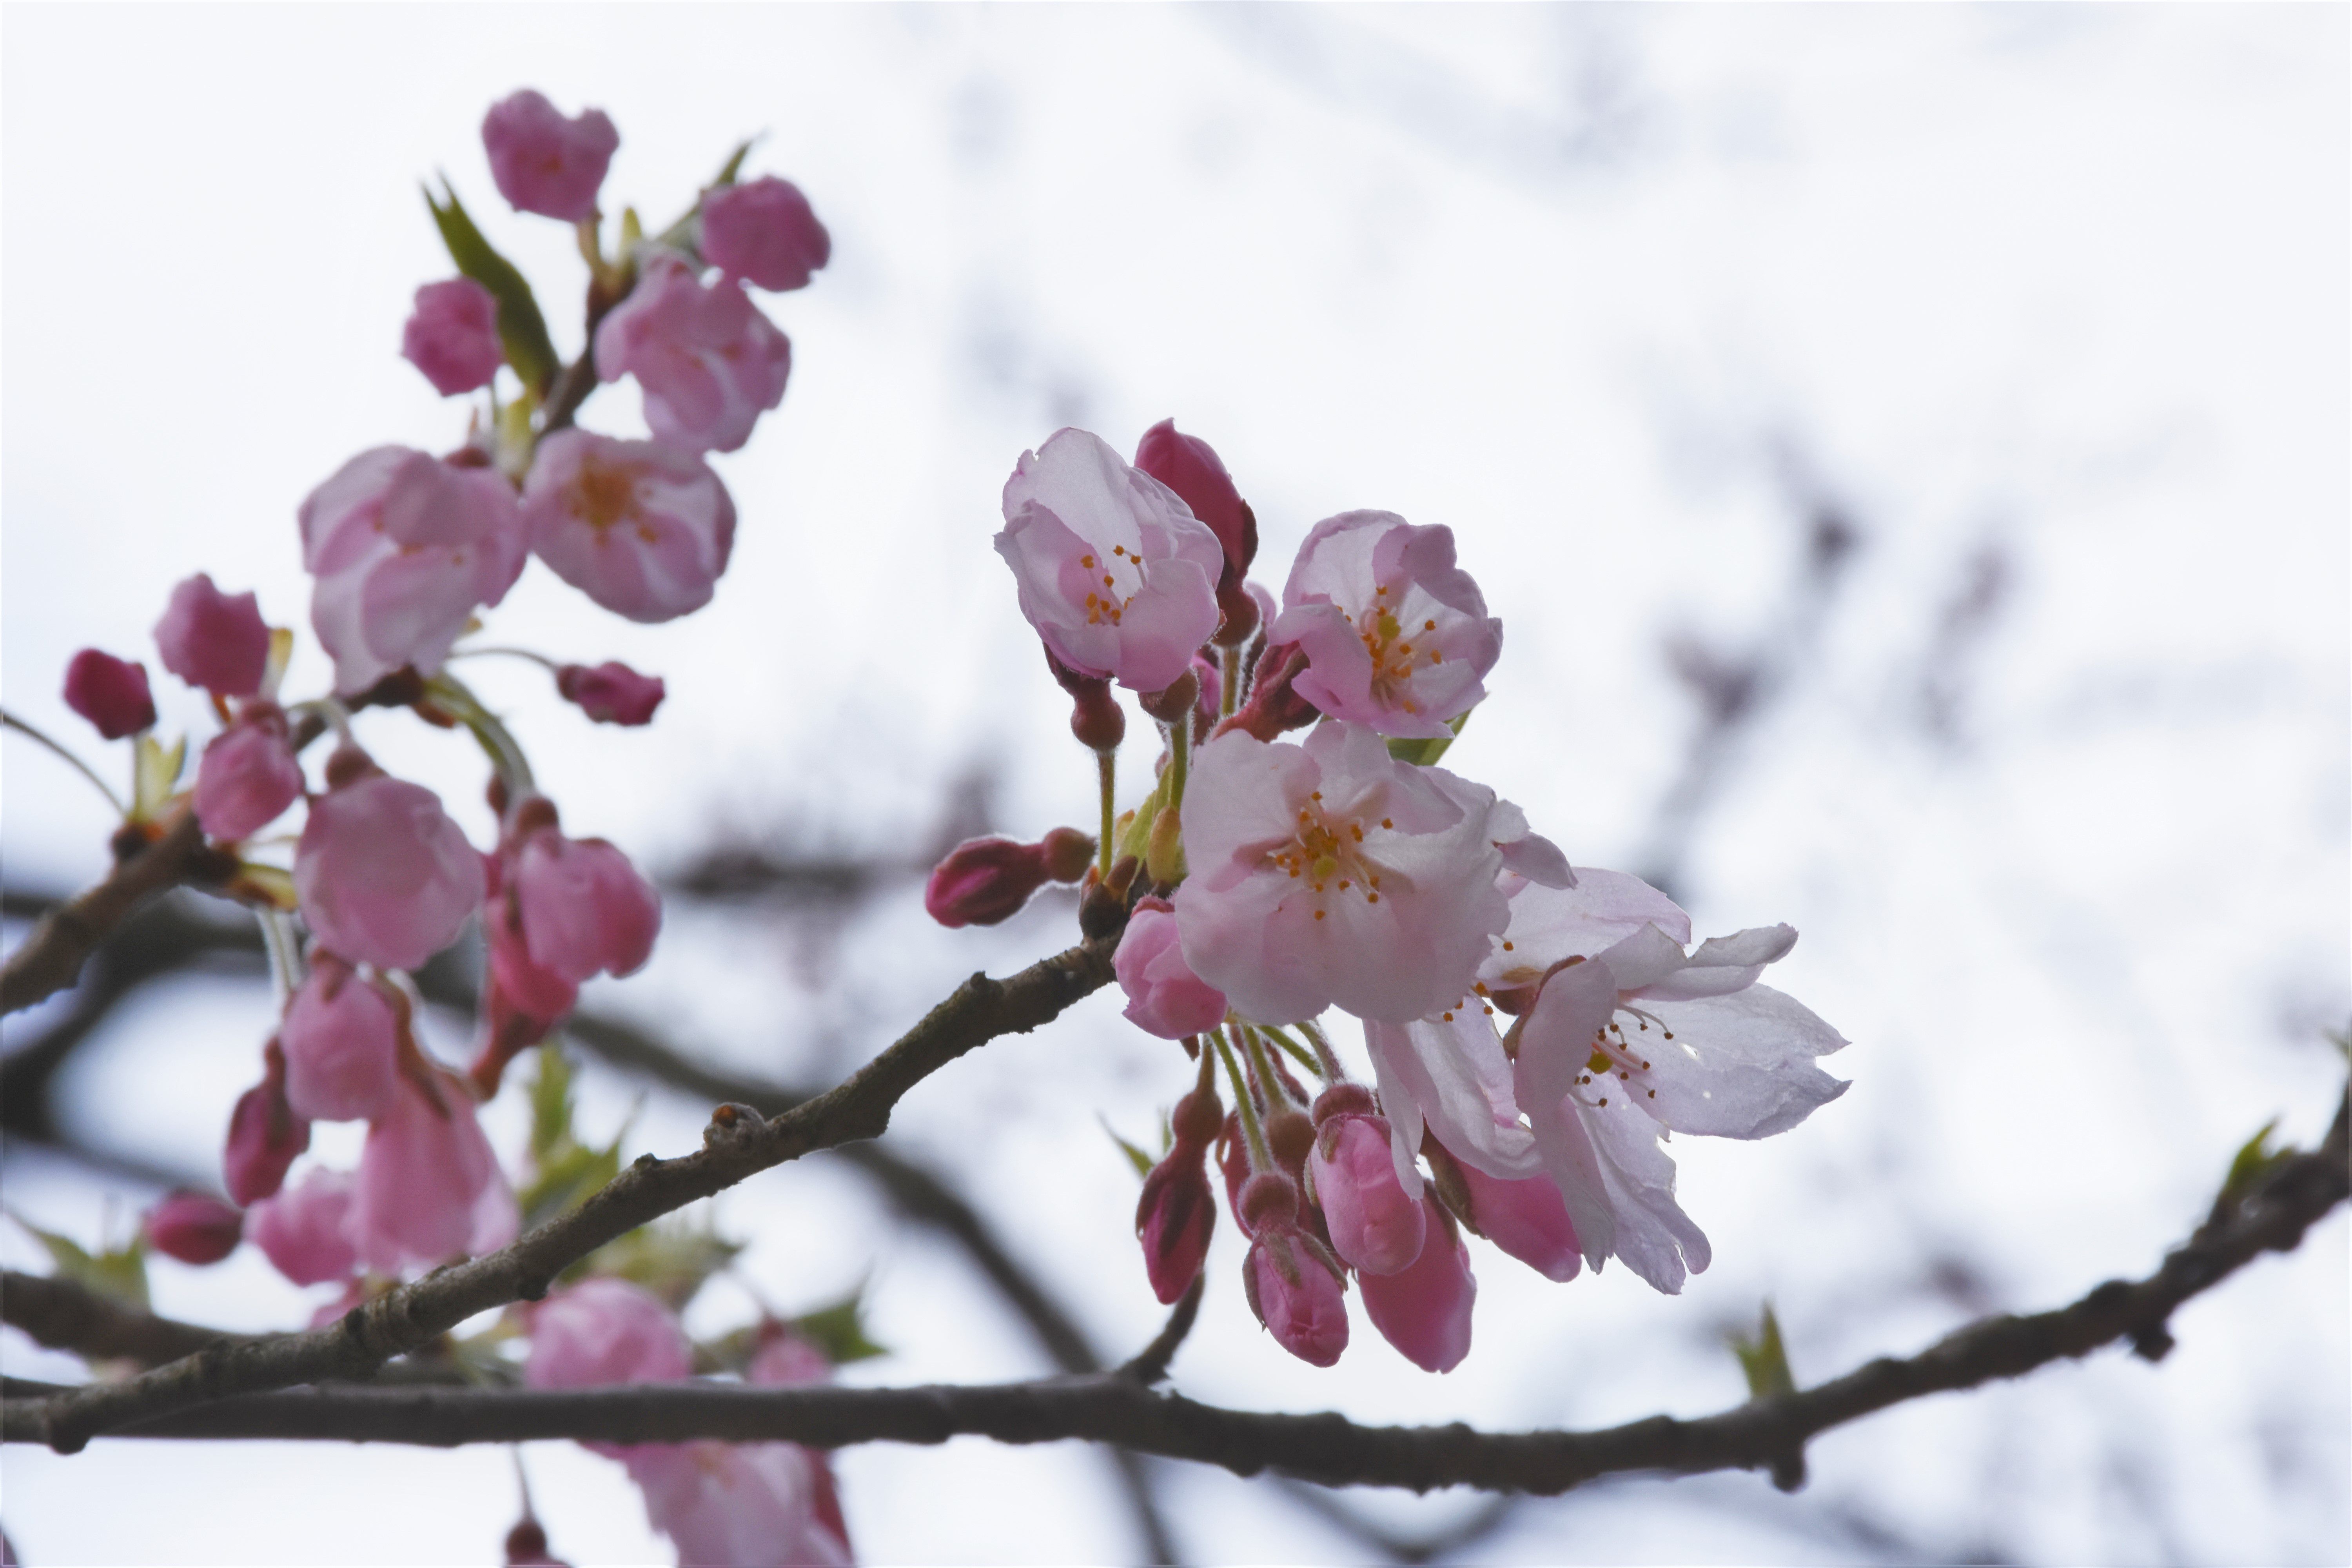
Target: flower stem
1299,1053
13,723
1323,1052
538,658
495,737
284,966
1260,1157
1179,757
1262,1066
1229,687
1107,770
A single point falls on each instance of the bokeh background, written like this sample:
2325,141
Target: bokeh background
1907,447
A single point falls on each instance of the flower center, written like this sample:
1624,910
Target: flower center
1109,603
1327,854
1613,1054
1390,642
603,495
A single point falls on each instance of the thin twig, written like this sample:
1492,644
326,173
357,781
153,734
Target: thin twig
46,962
1150,1365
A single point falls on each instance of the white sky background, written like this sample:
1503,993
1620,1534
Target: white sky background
1603,289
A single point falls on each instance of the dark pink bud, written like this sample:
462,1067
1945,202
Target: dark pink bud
1526,1218
195,1228
1375,1227
452,336
264,1135
1425,1309
109,692
985,880
527,1547
1174,1219
610,693
1096,717
1189,466
1273,707
212,639
1296,1294
764,233
248,776
545,163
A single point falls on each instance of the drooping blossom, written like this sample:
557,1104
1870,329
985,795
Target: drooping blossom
605,1330
1190,467
1424,1308
764,232
986,881
195,1228
1331,873
1293,1285
642,529
342,1038
583,908
382,872
265,1136
1164,997
306,1229
248,775
430,1187
545,163
1394,634
710,364
1525,1217
611,693
452,335
404,548
112,693
212,639
1376,1226
1114,571
1177,1213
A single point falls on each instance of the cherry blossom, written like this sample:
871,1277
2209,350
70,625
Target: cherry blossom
1527,1218
1177,1212
341,1040
305,1229
583,908
452,335
1331,873
605,1330
1376,1226
1164,997
983,881
112,693
382,872
642,529
545,162
404,548
212,639
741,1505
611,693
1423,1307
1114,571
429,1189
763,232
195,1228
710,364
247,774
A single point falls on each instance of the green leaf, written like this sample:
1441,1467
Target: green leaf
1135,1156
1764,1360
120,1274
839,1330
551,1103
2254,1160
1421,752
734,164
521,328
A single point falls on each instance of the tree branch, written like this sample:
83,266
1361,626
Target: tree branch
1327,1448
64,1316
46,962
738,1143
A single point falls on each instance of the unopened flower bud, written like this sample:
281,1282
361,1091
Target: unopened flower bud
305,1230
1242,616
212,639
1172,702
1164,997
527,1547
1297,1295
1164,857
1174,1218
763,232
1343,1099
983,881
1204,707
382,872
248,776
452,335
1069,853
545,163
1289,1135
111,692
341,1040
1526,1218
1268,1198
1189,466
1425,1308
264,1135
195,1228
1375,1227
1095,718
1198,1118
611,693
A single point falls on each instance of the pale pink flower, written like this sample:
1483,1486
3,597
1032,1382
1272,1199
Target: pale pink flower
430,1187
1395,634
1332,873
404,548
1448,1073
605,1330
1424,1308
1114,571
382,873
341,1040
710,364
642,529
212,639
195,1228
265,1136
248,775
583,908
741,1505
1164,997
306,1229
452,335
1581,919
112,693
611,693
764,232
1376,1226
545,163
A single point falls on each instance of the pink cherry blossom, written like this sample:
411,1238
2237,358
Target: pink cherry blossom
430,1187
1526,1218
452,336
1395,634
545,163
342,1038
212,639
1550,923
306,1229
710,364
1332,873
1164,997
195,1228
1424,1308
404,548
1189,466
605,1330
112,693
1376,1226
248,776
265,1136
585,908
1114,571
611,693
741,1505
383,874
642,529
763,232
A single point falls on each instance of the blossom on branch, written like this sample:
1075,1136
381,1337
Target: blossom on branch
763,232
710,364
341,1040
611,693
212,639
248,774
545,162
429,1188
642,529
452,336
112,693
382,872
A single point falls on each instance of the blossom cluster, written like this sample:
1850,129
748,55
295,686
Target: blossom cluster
1534,1030
408,550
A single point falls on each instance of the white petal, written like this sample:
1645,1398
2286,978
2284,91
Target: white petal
1738,1066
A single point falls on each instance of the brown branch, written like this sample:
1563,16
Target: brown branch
738,1143
47,961
64,1316
1113,1408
